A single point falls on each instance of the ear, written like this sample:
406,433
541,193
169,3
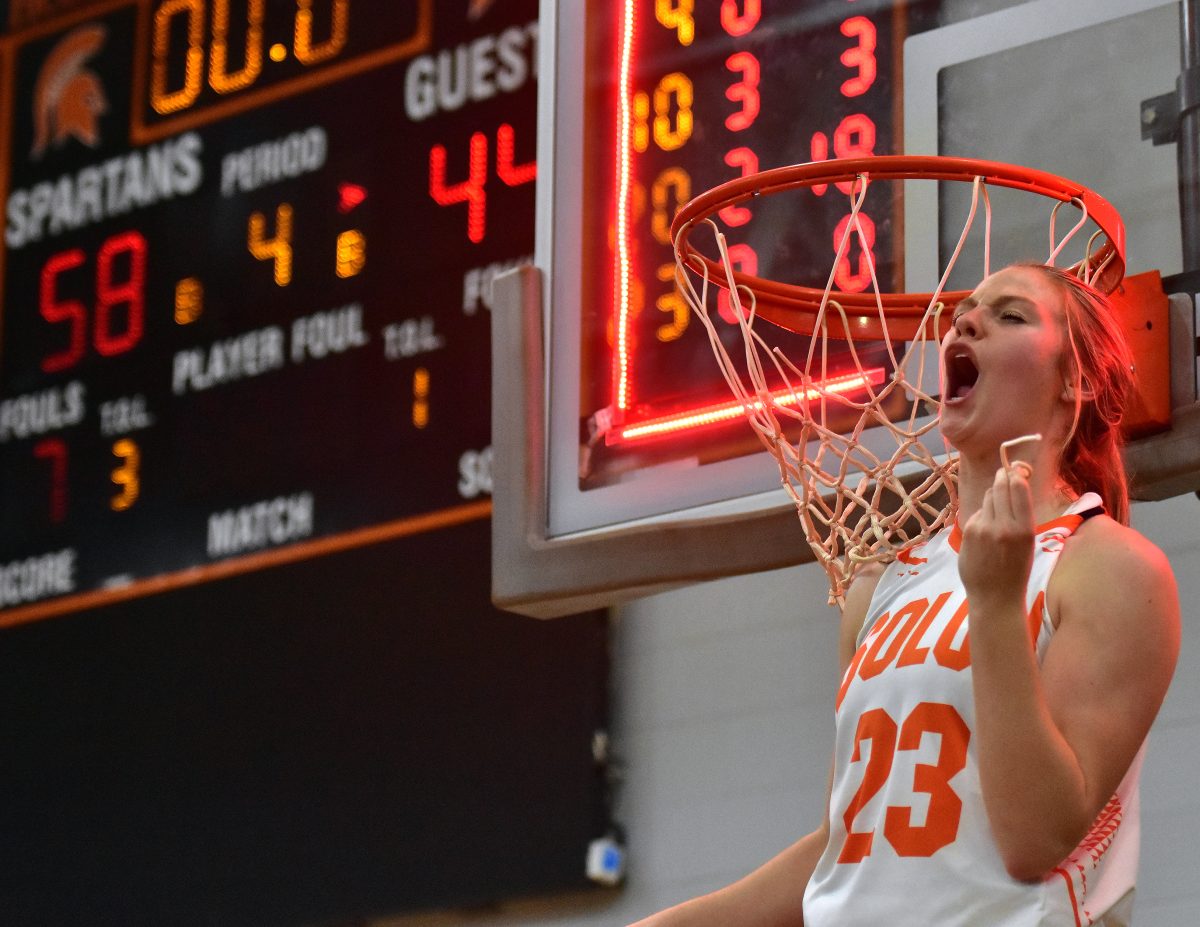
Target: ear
1086,393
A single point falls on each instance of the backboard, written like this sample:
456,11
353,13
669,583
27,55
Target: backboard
611,477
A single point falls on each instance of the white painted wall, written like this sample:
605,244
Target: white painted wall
723,698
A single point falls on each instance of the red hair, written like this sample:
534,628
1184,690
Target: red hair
1098,369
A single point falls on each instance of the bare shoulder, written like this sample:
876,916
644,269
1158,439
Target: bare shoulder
1105,556
1117,585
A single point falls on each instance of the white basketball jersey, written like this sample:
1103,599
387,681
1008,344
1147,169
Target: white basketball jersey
909,838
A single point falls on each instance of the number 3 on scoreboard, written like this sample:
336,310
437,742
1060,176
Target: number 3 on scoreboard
126,476
945,807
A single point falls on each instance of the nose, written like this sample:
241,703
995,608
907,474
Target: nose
966,324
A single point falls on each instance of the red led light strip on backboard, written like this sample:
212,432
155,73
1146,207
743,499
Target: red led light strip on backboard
623,270
854,136
727,411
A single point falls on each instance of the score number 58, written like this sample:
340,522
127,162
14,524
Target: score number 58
114,325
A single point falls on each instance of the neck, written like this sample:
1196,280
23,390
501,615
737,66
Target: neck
1050,493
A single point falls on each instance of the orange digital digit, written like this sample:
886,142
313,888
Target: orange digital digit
351,253
163,99
126,476
671,132
677,15
674,305
640,119
306,51
219,77
670,190
277,249
420,406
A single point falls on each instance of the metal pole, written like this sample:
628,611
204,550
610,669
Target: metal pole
1189,133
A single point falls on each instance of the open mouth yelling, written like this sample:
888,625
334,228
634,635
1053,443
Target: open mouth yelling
962,374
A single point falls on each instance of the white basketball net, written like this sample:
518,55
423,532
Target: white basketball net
861,497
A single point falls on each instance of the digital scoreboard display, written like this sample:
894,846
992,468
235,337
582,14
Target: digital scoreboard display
245,280
681,97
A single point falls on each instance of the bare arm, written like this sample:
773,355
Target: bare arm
1055,741
773,894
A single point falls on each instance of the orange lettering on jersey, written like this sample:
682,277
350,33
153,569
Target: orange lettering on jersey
873,664
878,629
1034,621
944,650
913,654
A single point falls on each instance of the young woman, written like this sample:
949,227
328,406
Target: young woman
990,779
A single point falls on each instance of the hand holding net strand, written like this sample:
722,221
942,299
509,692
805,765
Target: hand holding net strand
1022,467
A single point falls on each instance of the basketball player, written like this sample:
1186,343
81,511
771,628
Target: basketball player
991,780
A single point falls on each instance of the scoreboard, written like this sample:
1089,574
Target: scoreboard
245,281
680,98
245,289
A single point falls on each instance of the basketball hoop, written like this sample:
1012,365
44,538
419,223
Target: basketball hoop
859,502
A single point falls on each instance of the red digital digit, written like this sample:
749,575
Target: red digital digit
470,191
848,281
130,292
513,175
747,161
738,18
745,259
854,138
744,91
861,57
819,151
70,311
54,450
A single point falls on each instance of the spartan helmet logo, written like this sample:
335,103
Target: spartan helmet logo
68,99
476,8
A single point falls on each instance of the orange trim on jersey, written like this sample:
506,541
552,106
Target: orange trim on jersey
1070,522
1071,893
908,555
1034,619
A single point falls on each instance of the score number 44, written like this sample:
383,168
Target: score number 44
472,191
